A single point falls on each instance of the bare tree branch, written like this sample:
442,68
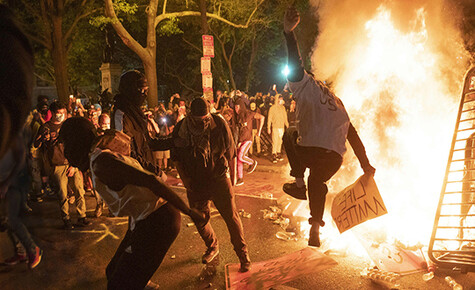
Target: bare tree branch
124,35
76,21
192,44
40,40
165,15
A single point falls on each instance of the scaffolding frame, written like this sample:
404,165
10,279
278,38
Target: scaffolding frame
452,244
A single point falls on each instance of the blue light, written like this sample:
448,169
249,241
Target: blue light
286,71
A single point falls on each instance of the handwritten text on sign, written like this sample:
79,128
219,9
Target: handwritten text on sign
357,203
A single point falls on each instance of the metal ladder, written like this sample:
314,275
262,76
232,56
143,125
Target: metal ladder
452,244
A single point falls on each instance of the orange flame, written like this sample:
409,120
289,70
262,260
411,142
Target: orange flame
400,80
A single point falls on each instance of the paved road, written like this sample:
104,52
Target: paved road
77,259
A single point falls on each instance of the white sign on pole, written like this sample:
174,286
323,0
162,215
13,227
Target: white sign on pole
207,82
205,65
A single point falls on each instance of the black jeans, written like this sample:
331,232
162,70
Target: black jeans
323,164
142,250
221,193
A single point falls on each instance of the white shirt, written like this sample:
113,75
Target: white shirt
322,120
133,201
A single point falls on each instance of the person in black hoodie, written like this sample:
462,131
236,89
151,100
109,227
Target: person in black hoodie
129,118
318,142
204,154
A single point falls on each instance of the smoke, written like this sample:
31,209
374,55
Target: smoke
398,67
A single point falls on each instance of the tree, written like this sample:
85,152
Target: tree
148,53
52,24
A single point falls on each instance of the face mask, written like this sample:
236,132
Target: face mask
59,117
281,102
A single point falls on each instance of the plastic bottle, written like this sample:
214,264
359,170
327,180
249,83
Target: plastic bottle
285,235
383,278
428,276
452,283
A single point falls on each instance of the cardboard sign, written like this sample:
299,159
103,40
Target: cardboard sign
357,203
391,258
205,65
208,46
266,274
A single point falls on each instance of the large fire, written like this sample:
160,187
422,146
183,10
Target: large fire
399,72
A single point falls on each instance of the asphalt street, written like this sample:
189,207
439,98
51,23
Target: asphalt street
77,259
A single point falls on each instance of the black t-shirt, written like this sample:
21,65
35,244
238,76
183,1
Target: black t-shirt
222,149
244,124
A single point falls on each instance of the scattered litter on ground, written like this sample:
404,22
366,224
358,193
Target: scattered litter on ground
286,236
452,283
244,214
386,279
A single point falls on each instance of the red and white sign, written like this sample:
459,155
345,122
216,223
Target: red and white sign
206,65
266,274
208,46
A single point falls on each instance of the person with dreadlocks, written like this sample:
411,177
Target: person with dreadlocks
129,190
129,118
204,150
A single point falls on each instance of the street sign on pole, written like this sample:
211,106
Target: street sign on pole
208,46
205,65
207,81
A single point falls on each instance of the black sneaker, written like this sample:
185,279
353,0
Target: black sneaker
239,182
245,262
279,157
68,225
274,158
314,238
209,255
293,190
252,167
83,222
34,258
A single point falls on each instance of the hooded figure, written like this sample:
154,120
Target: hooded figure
129,118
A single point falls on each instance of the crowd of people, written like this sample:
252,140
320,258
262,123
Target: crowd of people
61,151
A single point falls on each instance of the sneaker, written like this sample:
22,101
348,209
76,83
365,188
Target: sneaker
293,190
209,255
46,190
245,262
252,167
98,211
239,182
151,285
68,225
314,238
279,157
35,258
82,222
274,158
16,259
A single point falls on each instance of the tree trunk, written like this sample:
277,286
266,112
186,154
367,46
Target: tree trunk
59,56
150,59
150,68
